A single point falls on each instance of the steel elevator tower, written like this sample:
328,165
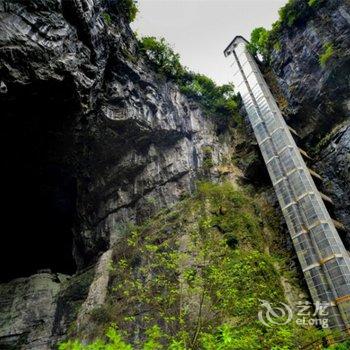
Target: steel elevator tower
324,260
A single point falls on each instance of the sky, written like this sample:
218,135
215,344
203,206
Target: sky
200,30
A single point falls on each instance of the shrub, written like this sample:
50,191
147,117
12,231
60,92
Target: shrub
277,46
106,17
258,41
216,100
328,52
290,13
162,56
128,7
114,341
342,346
314,3
263,40
207,158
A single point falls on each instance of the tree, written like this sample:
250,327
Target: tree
259,42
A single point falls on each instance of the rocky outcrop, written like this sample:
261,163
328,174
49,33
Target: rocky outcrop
28,307
318,99
334,165
318,96
98,141
103,142
37,311
133,142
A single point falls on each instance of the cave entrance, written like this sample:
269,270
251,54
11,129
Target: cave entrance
39,186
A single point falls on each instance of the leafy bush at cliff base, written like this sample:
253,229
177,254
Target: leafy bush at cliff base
114,341
342,346
178,283
216,100
224,338
263,41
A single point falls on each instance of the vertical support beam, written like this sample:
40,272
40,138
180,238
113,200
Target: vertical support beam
321,253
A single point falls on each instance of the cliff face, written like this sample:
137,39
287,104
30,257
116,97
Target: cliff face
129,136
103,141
333,162
318,95
96,142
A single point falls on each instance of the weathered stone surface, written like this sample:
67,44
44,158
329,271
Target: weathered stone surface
37,311
334,165
98,290
128,139
27,310
318,96
69,302
135,143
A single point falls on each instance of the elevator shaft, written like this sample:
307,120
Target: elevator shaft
323,258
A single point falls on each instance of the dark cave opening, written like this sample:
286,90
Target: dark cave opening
39,186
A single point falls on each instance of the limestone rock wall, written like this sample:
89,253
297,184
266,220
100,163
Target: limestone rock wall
318,95
127,138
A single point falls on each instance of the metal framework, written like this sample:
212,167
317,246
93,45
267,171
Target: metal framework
322,255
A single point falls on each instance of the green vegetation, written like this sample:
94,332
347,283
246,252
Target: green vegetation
263,41
162,56
326,139
107,18
193,276
258,41
223,339
313,2
128,7
328,52
342,346
218,101
114,342
125,8
207,158
291,12
277,46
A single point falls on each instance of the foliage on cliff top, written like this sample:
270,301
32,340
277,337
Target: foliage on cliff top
125,8
263,41
193,277
129,8
216,100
